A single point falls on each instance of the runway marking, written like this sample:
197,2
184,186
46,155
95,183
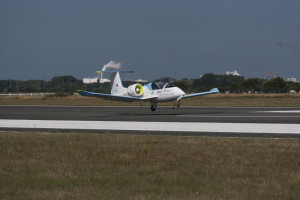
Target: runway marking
279,111
238,116
154,126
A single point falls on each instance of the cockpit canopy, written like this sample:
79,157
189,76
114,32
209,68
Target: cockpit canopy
161,85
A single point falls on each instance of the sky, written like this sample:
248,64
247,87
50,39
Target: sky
40,39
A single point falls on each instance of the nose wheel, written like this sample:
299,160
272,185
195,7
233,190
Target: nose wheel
178,104
153,106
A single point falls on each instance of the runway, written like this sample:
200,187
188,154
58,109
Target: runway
184,121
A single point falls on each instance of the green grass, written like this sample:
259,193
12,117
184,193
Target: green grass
92,166
247,100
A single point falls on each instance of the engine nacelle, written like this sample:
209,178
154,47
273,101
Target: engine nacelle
135,90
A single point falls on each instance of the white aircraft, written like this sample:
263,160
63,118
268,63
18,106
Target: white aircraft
152,92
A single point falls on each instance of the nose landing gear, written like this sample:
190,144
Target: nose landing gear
178,104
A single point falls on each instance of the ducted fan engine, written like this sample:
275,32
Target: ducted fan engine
135,90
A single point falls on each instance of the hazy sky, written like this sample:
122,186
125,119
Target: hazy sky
40,39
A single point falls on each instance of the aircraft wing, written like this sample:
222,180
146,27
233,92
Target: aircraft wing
115,97
212,91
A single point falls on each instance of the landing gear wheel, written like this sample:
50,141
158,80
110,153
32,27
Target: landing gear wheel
178,104
153,107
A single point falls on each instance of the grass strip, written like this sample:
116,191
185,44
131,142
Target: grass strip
245,100
95,166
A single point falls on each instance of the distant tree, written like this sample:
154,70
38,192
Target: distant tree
277,85
209,81
65,84
5,85
295,86
234,88
226,80
206,82
164,79
181,84
128,83
251,84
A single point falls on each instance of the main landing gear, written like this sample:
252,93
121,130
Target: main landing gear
153,106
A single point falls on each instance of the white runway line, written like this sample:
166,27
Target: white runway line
239,116
280,111
154,126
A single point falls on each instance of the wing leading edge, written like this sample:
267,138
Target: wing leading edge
115,97
212,91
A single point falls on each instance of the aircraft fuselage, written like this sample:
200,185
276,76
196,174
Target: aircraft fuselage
167,94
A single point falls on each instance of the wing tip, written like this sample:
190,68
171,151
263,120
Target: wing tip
215,90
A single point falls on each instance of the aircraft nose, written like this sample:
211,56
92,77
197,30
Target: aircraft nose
181,92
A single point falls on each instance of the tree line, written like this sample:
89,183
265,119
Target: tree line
225,83
234,84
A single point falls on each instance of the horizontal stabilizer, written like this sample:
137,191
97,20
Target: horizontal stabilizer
115,71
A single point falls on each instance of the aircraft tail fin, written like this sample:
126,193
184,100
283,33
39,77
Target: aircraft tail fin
117,87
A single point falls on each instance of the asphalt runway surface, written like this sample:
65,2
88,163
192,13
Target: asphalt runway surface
229,121
162,114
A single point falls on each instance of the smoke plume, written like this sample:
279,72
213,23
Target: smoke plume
111,64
